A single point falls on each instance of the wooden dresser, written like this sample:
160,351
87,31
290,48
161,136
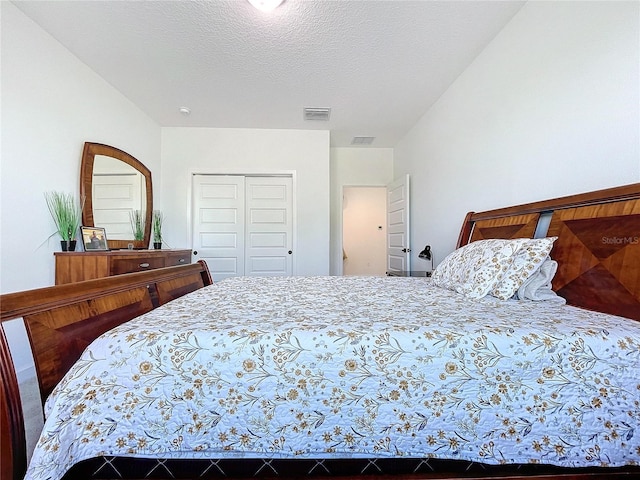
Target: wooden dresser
78,266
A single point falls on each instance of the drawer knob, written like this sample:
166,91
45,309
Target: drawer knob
144,265
181,260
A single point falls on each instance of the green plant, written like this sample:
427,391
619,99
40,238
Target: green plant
158,218
137,224
66,213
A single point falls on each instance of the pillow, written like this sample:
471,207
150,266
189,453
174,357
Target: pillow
525,263
474,269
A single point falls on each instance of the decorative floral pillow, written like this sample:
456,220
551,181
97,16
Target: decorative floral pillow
473,270
526,262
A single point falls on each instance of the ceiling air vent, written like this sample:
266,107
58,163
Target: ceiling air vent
321,114
362,140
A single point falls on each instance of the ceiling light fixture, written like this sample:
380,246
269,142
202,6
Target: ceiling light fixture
266,5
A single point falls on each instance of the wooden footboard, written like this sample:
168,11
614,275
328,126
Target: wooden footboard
13,455
62,320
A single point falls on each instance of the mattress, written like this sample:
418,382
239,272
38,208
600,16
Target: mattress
351,367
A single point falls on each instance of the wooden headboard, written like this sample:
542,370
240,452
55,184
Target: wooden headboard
598,246
62,320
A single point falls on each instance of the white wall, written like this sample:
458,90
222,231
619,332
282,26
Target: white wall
354,166
51,104
186,151
549,108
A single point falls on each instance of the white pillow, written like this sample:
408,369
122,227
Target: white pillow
526,262
474,269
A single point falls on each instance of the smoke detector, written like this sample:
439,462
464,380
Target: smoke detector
319,114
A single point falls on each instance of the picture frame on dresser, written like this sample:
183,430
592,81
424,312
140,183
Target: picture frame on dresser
94,239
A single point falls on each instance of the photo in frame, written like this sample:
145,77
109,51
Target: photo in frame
94,239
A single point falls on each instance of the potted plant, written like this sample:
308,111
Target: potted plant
157,229
137,224
67,215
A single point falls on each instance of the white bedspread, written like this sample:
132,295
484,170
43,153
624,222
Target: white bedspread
347,366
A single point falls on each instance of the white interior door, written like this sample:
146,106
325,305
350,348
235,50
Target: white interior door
268,250
243,225
398,247
115,197
218,226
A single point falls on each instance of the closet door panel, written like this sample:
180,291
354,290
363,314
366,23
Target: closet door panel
218,227
269,226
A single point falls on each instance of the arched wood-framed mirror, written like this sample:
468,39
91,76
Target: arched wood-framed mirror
114,184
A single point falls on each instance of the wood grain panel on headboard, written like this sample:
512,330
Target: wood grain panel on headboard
598,255
516,226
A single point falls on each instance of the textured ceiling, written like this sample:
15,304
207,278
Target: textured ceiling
379,65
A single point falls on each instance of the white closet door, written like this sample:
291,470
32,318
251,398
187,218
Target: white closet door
243,225
218,227
269,221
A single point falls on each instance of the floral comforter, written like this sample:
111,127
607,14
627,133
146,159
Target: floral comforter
351,366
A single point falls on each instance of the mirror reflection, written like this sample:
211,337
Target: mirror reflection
118,189
115,184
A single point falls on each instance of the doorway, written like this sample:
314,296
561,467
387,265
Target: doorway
364,230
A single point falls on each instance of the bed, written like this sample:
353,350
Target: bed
349,376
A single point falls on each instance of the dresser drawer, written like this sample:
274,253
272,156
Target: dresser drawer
174,259
129,265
